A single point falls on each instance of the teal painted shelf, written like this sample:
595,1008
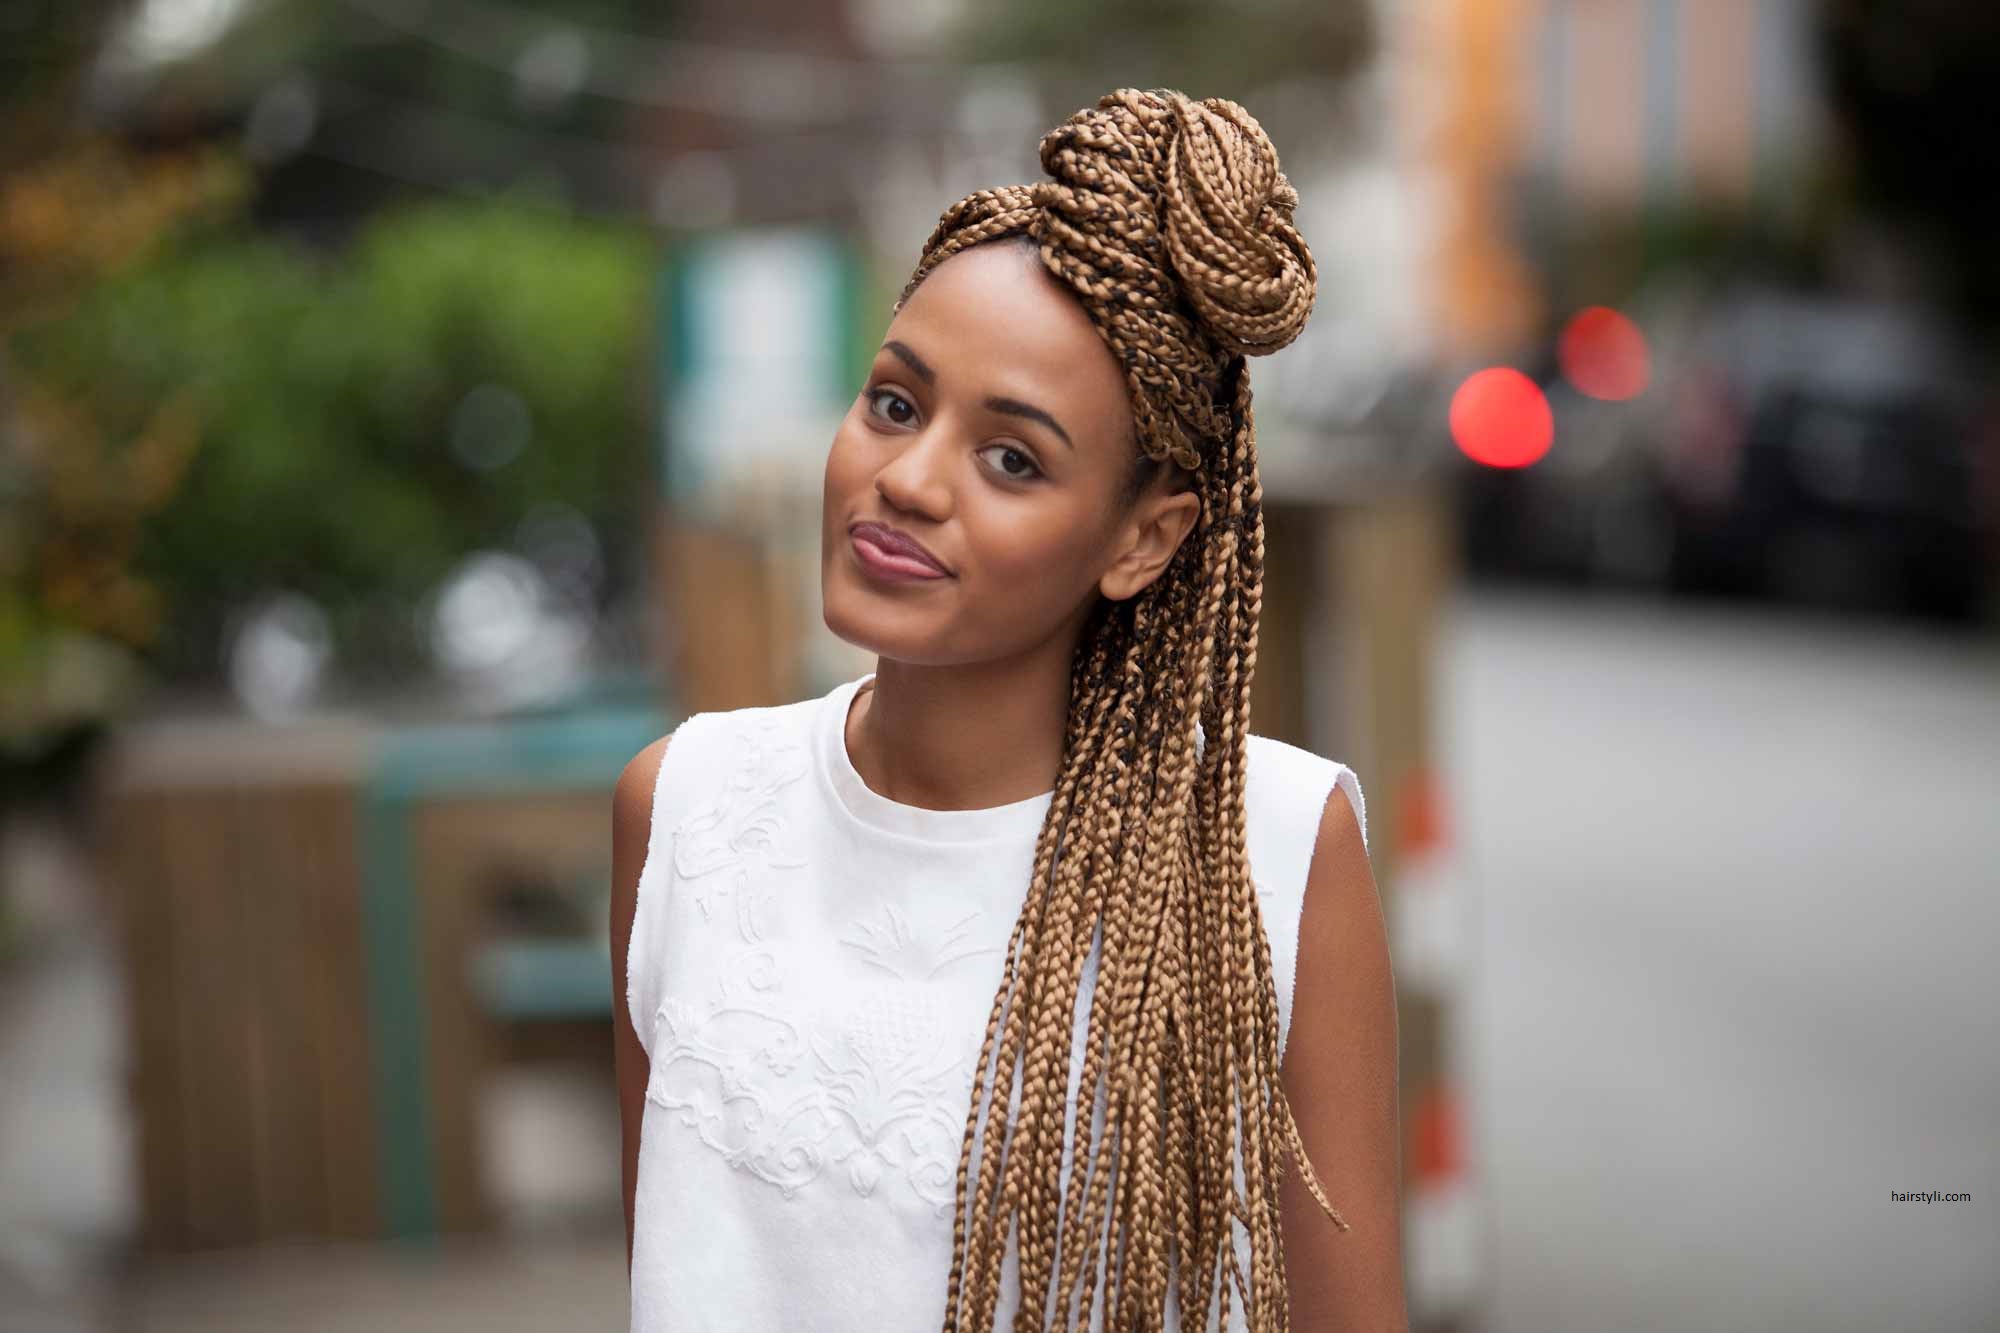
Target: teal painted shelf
530,979
581,748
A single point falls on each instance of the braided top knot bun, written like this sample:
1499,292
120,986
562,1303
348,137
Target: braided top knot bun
1171,221
1228,223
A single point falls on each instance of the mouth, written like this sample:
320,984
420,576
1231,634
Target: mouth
890,554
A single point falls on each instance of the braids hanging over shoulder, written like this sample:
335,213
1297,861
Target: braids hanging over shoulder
1171,222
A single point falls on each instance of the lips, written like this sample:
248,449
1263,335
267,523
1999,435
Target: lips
898,545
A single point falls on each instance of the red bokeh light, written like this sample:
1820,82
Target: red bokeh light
1603,354
1501,418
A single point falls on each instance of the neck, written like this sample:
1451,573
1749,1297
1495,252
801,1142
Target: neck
961,737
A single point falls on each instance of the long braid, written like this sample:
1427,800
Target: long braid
1170,221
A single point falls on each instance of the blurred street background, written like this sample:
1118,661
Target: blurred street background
411,408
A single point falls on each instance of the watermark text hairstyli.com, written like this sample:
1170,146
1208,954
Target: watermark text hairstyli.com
1928,1196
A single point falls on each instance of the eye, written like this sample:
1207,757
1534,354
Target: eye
901,411
1008,451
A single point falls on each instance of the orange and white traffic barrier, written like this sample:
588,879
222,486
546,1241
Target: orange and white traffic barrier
1431,941
1430,925
1443,1231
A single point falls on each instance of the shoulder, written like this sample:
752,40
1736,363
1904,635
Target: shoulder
632,799
1341,909
700,742
638,794
1342,942
632,802
641,775
1293,789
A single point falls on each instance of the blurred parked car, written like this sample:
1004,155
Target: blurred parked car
1592,510
1831,451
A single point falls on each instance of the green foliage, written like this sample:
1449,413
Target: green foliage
325,392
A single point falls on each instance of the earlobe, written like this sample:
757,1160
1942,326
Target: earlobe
1120,581
1129,574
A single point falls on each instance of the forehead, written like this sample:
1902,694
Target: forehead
992,320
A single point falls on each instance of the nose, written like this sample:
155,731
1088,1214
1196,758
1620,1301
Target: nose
917,478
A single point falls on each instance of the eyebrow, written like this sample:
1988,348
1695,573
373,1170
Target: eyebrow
915,362
1016,408
993,402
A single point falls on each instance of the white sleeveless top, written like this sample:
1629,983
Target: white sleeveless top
812,966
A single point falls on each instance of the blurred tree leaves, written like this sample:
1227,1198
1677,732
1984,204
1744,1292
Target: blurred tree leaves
323,394
74,500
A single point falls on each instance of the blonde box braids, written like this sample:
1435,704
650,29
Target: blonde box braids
1171,222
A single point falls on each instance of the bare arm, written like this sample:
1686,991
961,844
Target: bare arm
631,828
1340,1076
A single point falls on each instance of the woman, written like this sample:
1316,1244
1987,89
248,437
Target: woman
1036,851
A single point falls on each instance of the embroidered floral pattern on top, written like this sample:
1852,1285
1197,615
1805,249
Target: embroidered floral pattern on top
891,946
878,1087
744,823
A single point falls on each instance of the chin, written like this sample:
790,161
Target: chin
847,616
900,634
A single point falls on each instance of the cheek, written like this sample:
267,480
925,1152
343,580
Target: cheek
1043,549
847,463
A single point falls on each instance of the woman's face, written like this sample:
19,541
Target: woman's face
994,430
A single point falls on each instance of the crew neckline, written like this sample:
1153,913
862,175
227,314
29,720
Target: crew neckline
868,807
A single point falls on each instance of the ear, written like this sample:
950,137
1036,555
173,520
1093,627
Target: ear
1147,542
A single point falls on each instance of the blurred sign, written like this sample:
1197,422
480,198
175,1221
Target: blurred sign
759,366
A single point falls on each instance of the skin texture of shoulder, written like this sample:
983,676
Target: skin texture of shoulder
1340,1076
631,829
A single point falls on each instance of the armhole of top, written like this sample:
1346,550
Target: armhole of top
1349,783
659,849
